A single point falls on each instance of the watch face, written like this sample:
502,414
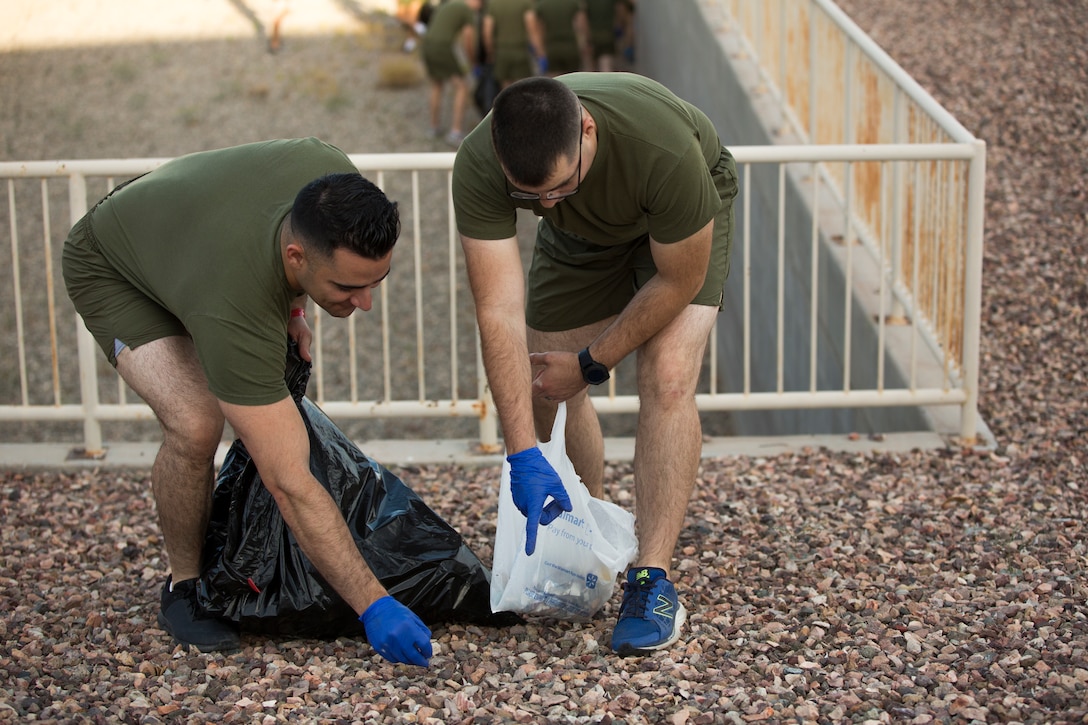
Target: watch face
595,375
593,372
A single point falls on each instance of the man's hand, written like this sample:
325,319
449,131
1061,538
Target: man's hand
532,481
396,633
557,375
300,332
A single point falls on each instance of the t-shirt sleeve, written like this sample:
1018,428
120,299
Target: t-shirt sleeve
684,198
479,198
244,364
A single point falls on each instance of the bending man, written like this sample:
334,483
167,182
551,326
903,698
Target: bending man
191,278
635,192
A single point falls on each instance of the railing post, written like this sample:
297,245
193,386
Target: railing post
88,349
972,292
898,206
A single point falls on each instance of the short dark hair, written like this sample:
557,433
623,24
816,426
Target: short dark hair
535,122
345,211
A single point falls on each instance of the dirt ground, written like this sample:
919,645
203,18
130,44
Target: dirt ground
126,78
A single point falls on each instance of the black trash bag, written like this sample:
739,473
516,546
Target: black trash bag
487,87
256,575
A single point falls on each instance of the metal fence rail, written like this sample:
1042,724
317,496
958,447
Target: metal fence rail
439,374
924,221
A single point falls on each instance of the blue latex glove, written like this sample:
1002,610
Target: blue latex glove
532,481
396,633
542,63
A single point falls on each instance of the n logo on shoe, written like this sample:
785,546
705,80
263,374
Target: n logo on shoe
664,607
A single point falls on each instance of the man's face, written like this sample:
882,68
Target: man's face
344,282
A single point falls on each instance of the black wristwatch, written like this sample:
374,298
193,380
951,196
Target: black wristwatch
593,372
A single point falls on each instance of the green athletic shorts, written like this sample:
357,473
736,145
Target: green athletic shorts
572,284
564,60
440,61
111,307
512,64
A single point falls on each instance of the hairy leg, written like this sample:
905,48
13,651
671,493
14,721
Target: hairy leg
168,376
435,103
668,443
460,99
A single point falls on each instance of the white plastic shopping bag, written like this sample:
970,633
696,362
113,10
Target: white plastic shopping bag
572,572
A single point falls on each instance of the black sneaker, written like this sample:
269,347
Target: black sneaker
181,615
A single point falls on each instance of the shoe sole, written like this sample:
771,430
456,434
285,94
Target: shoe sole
628,650
225,648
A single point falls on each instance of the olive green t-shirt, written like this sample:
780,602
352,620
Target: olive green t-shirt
557,17
200,237
447,21
509,17
602,16
651,173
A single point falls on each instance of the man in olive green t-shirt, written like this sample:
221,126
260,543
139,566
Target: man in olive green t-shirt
191,278
512,39
635,194
452,22
565,31
601,17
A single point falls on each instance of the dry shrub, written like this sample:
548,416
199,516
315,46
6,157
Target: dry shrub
400,71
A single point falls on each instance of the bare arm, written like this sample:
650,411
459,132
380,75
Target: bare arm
489,38
681,271
581,33
468,42
298,329
536,33
276,438
497,279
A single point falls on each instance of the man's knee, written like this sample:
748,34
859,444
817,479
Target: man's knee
667,381
197,431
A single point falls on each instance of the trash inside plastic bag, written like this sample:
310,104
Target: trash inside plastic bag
255,573
572,572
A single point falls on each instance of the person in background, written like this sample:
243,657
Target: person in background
513,41
566,34
635,193
625,32
191,278
413,16
447,47
601,15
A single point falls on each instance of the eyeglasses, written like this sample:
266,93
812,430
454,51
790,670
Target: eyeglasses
551,195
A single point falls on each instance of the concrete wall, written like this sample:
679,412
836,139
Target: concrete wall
679,42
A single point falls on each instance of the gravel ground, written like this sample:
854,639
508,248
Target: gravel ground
936,586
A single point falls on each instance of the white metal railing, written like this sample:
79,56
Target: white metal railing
44,387
922,222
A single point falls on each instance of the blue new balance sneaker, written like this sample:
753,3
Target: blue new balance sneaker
650,615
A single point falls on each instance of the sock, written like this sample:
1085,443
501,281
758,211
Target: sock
645,575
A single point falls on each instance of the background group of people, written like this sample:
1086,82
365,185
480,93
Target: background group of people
494,43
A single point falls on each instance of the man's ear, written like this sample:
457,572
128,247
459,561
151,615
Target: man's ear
295,255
